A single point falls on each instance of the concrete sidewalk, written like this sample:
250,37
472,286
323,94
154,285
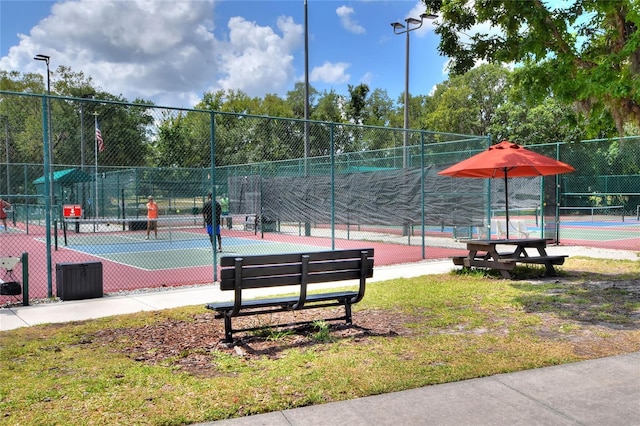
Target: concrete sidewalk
599,392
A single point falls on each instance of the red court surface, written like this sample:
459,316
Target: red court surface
124,275
119,276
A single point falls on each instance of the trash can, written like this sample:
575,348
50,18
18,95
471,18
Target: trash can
76,281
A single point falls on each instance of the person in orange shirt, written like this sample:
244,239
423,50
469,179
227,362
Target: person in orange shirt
152,217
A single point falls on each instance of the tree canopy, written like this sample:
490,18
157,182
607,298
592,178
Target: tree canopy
581,51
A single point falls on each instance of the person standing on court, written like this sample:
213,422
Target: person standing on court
152,217
3,214
207,214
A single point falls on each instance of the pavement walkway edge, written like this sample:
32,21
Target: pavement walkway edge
603,391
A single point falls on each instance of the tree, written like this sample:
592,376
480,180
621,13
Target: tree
296,99
467,103
329,107
355,109
584,51
124,127
379,109
174,147
454,112
125,130
275,106
74,84
24,115
549,121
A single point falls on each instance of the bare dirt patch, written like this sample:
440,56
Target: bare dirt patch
191,345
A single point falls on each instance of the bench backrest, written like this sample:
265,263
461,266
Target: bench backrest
291,269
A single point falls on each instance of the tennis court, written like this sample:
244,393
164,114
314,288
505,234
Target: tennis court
174,248
182,254
601,232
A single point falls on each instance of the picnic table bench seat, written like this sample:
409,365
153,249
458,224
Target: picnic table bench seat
542,260
459,260
242,273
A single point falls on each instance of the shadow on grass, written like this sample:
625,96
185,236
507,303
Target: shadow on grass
305,337
614,304
587,297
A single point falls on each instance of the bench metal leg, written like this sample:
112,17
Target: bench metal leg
228,338
347,312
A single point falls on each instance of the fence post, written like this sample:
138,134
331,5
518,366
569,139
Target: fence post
48,184
25,279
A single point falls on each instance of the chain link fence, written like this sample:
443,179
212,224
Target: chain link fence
79,172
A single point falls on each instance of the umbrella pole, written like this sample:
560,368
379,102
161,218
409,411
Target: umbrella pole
506,200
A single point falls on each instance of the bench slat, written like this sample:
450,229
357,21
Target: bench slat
296,268
294,279
556,260
295,257
282,301
293,267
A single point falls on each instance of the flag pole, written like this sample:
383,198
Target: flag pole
95,152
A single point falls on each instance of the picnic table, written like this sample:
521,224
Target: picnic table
485,254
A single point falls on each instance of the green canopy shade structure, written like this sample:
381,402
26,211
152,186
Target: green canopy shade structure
64,184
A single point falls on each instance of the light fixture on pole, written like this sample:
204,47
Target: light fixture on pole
411,24
46,59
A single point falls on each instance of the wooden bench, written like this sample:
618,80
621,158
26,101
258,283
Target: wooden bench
298,269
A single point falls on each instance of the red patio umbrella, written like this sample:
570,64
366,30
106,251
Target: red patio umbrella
505,160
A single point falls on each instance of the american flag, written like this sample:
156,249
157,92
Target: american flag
99,138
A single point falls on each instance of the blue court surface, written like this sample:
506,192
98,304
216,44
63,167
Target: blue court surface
175,252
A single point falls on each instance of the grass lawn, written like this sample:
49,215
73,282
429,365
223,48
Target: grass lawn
170,368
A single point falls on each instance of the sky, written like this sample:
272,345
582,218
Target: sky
173,51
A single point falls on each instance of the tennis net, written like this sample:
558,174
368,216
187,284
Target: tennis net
592,214
122,231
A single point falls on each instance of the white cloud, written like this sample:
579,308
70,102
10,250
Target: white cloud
367,78
158,50
345,13
330,73
256,60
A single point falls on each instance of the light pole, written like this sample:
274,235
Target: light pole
46,59
6,149
411,24
307,150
